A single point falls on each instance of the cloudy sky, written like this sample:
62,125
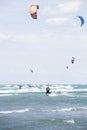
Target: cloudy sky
45,45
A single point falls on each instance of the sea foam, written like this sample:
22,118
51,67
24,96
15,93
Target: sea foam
15,111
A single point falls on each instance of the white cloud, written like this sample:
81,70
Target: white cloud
63,8
4,15
70,7
4,36
18,37
57,21
24,37
63,13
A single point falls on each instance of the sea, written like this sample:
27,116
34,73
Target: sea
29,108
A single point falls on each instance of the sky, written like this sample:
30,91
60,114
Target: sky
45,45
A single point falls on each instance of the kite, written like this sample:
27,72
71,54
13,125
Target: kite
67,67
31,70
81,19
72,60
33,11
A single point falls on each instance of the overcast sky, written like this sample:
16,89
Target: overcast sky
45,45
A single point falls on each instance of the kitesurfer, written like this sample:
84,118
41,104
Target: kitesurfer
48,90
20,86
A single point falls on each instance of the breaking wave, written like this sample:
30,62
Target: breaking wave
15,111
65,90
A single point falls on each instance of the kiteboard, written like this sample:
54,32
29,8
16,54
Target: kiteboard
51,94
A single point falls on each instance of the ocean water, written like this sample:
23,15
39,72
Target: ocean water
29,108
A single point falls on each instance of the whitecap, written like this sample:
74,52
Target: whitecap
66,109
69,121
52,94
5,95
2,95
14,111
73,109
69,109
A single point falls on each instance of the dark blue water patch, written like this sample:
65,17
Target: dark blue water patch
39,101
30,122
36,121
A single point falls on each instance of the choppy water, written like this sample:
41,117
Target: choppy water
29,108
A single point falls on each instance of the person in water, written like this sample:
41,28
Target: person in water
20,86
48,90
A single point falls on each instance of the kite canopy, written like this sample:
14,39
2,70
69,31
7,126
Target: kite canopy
33,11
72,60
31,70
81,19
67,67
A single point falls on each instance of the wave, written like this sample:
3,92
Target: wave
59,89
67,109
15,111
73,109
3,95
71,121
67,121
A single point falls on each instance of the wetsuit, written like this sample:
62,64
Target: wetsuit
48,90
